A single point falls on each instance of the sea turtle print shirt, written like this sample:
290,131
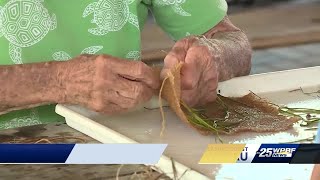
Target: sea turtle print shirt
57,30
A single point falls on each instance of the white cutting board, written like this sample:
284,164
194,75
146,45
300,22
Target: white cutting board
185,146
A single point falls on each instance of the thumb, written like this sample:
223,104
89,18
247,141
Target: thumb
189,75
170,62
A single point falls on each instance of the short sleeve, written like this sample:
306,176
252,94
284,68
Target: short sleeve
179,18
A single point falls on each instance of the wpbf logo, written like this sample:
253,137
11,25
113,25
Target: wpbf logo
276,152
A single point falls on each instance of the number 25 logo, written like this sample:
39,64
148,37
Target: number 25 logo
265,152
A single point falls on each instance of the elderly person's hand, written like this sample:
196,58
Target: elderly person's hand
102,83
108,84
199,75
220,54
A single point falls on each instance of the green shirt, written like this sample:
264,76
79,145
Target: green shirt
44,30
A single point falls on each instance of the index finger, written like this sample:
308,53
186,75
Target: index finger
137,71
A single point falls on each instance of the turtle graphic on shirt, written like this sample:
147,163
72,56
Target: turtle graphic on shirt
64,56
24,23
175,5
110,16
135,55
28,120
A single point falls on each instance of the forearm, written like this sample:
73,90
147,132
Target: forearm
30,85
231,49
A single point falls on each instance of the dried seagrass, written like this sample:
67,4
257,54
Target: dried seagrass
171,92
226,115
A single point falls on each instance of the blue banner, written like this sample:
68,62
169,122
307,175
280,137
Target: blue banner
35,153
81,153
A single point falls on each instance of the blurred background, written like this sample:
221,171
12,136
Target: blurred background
285,34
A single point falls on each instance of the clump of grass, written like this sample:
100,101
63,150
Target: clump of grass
198,118
307,116
217,125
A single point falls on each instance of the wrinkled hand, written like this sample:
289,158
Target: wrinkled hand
110,85
199,75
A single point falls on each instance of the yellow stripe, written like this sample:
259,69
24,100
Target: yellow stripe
221,153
